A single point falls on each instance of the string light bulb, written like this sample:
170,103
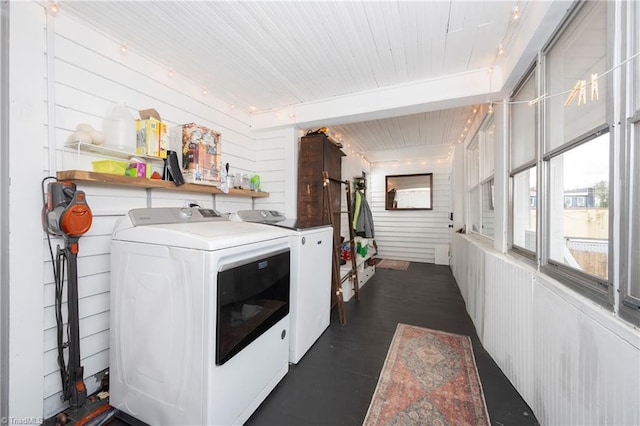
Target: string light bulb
205,91
515,13
500,49
490,109
252,109
53,7
124,48
171,73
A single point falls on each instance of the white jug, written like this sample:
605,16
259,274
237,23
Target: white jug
120,128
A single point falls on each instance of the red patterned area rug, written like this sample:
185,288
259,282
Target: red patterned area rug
402,265
429,378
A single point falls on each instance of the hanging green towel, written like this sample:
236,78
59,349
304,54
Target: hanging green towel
356,209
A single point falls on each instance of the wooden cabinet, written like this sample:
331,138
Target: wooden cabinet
318,153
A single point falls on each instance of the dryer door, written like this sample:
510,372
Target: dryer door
253,295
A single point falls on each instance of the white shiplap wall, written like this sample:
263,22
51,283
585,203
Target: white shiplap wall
271,150
90,75
571,360
411,234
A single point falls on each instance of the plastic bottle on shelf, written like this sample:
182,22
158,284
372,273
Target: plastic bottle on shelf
120,129
255,183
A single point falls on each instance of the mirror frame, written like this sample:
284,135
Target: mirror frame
386,191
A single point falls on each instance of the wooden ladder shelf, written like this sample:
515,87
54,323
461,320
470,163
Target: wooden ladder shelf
338,280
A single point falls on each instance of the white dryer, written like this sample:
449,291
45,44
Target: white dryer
310,277
199,316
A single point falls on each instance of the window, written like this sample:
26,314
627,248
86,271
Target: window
488,221
523,169
631,286
525,216
579,52
630,270
480,166
579,238
565,169
576,155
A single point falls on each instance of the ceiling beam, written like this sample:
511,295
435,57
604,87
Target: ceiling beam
449,91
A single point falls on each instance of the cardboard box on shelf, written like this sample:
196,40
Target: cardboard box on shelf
199,153
151,134
138,169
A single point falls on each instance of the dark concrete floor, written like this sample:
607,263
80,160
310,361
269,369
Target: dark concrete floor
334,382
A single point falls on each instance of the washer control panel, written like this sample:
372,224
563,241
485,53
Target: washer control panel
264,216
164,215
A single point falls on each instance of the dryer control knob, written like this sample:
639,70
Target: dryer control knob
185,213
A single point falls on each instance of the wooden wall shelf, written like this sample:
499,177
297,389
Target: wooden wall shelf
84,176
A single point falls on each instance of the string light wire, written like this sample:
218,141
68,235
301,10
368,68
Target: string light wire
566,92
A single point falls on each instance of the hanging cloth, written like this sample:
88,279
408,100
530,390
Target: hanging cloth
364,225
357,202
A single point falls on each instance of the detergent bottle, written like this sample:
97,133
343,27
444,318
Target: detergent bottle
120,128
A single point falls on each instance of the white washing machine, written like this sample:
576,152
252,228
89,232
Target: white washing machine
199,316
310,277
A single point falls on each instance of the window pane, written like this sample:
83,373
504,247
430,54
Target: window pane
474,209
635,43
578,53
486,158
488,222
524,209
473,163
523,125
579,234
634,214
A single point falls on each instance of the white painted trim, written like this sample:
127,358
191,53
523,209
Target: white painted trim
27,115
291,171
501,177
51,95
4,209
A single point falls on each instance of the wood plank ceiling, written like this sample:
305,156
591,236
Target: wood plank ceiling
261,56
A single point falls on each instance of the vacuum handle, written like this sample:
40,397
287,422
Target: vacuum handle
78,391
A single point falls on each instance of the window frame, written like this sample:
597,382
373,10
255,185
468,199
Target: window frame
589,285
629,305
477,161
599,290
532,74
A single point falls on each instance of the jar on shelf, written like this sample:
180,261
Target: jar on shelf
237,180
245,181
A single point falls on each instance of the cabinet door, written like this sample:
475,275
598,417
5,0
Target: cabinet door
318,153
310,189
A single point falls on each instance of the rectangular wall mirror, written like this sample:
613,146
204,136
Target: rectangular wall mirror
409,192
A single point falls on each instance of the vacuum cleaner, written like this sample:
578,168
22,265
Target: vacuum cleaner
66,214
